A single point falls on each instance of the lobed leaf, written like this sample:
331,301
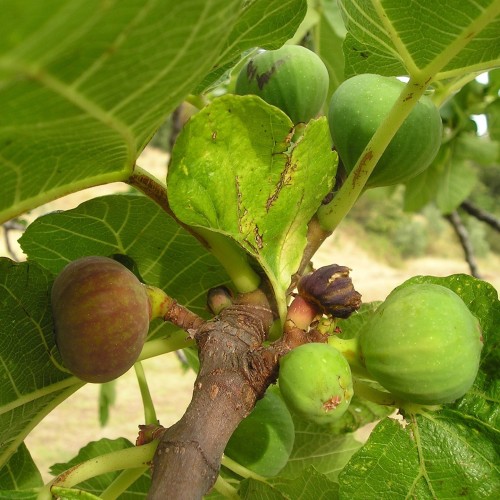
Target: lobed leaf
18,474
320,447
31,382
431,457
439,39
85,84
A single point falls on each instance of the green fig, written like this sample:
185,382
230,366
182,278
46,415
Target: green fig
422,344
358,107
291,78
315,381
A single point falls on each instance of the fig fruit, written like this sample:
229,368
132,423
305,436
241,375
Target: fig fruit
264,440
291,78
422,344
101,318
356,110
315,381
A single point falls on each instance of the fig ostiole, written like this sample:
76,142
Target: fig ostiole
101,314
316,382
292,78
422,344
356,110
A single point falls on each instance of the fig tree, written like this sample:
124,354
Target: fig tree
422,344
291,78
356,110
101,318
315,381
264,440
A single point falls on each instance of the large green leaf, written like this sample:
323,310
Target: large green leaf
309,485
319,446
20,473
431,457
31,383
166,255
439,39
84,84
235,171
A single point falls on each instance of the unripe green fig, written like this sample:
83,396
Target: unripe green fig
291,78
423,344
356,110
315,381
264,440
101,318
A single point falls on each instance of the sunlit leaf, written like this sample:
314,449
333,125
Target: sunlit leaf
235,171
440,39
31,381
85,84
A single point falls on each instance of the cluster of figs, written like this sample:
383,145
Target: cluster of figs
421,345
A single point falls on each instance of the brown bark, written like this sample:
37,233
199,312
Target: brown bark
234,372
481,214
463,236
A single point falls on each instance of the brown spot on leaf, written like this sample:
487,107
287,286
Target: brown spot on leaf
284,180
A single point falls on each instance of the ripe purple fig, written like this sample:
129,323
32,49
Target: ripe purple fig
101,315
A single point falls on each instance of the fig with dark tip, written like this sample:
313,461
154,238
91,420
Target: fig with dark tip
358,107
101,316
291,78
316,382
330,289
423,344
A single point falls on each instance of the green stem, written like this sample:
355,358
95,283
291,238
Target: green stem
147,400
197,101
444,92
130,458
331,215
374,395
233,259
158,347
239,469
122,483
225,489
349,348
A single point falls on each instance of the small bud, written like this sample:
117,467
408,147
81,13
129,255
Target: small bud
218,298
330,288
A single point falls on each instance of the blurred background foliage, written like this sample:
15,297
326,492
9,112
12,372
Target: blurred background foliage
394,228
